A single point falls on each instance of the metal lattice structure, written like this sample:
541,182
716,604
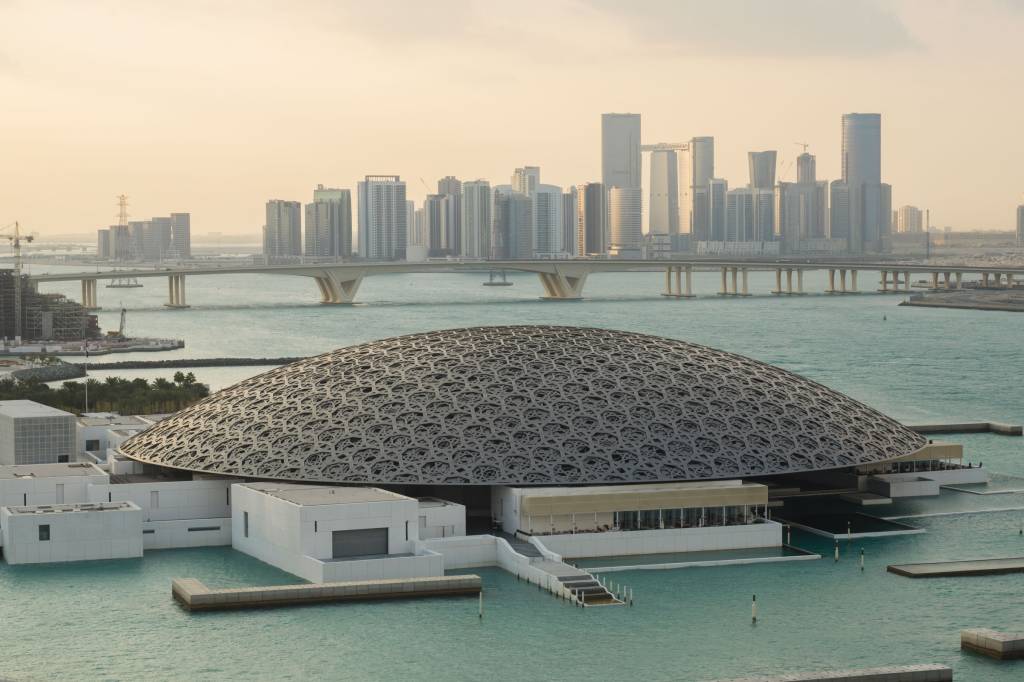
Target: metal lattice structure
522,405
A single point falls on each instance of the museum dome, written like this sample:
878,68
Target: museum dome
522,405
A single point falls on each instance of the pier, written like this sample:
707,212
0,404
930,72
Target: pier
992,643
193,595
895,673
956,569
970,427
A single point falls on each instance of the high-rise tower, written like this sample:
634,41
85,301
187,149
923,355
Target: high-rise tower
762,169
620,150
870,217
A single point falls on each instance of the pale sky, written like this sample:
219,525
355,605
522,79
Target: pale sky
213,107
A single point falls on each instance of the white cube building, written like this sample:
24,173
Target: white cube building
71,532
31,433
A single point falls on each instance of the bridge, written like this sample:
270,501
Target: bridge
563,280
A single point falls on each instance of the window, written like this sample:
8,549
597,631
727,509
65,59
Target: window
245,523
44,533
193,529
92,445
61,459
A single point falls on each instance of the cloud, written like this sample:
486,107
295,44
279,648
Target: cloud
794,28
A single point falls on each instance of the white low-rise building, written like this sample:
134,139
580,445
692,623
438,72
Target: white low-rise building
32,433
330,533
440,518
24,485
71,532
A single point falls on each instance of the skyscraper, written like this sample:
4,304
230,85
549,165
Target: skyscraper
716,202
664,198
591,211
476,219
762,169
569,242
700,169
526,179
862,172
329,223
181,235
801,207
282,234
624,221
839,203
435,225
620,150
806,168
547,221
909,219
512,234
1020,225
451,188
739,215
382,218
157,239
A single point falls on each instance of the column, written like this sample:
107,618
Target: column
181,291
885,281
853,281
689,281
789,281
679,274
831,281
745,291
984,279
170,290
799,281
778,281
999,279
842,280
85,293
725,286
735,278
668,281
906,281
959,277
935,280
946,279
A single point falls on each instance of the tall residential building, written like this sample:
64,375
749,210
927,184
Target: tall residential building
909,219
839,214
282,233
157,239
664,199
547,221
591,212
329,223
700,169
716,203
525,180
762,169
435,225
801,207
122,246
620,150
103,244
625,230
569,241
476,219
415,235
450,187
764,215
806,168
181,235
382,218
1020,225
512,233
869,218
739,215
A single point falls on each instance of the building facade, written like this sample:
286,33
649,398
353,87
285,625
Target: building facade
625,231
663,215
329,224
382,218
620,150
591,214
870,203
512,233
547,222
909,219
282,233
31,433
762,169
476,219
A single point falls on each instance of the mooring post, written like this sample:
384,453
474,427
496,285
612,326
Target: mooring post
753,610
789,534
481,615
837,551
861,558
849,535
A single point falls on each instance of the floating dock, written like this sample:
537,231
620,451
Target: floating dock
970,427
1001,645
193,595
894,673
953,569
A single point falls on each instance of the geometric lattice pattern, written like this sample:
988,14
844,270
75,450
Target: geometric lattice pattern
522,405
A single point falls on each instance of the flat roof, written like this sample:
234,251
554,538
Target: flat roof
426,502
12,471
71,508
19,409
311,495
101,419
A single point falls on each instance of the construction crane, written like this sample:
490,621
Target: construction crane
802,144
15,238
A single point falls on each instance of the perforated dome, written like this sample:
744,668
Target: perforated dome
522,405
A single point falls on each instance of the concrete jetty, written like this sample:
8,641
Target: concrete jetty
193,595
894,673
952,569
1000,645
969,427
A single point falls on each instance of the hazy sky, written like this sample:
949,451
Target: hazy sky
214,107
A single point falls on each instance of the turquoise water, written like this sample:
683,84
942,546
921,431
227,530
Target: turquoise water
679,557
117,620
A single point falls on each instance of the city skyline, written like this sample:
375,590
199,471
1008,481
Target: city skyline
139,127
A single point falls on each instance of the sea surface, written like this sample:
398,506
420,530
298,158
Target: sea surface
116,620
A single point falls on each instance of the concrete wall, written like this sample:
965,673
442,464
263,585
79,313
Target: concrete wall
175,534
582,545
903,485
19,492
469,551
74,535
318,522
175,500
441,521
